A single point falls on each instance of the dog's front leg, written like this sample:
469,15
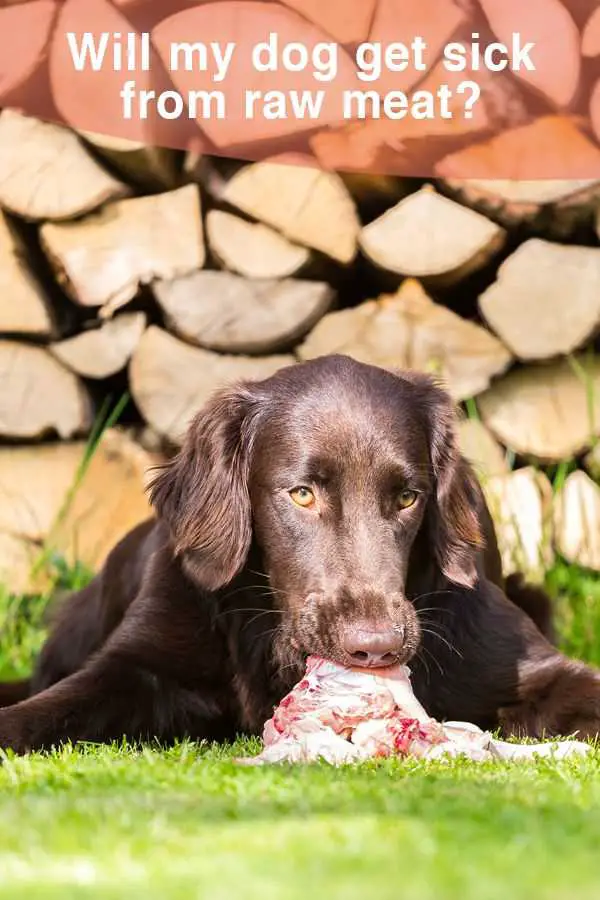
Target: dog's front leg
129,689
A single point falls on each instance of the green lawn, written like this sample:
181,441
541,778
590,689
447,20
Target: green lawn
187,823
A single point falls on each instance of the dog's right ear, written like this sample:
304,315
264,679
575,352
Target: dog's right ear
202,494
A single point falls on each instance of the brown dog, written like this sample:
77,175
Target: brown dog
324,510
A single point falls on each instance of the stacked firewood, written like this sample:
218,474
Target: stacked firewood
164,274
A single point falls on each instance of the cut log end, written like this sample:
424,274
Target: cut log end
223,312
171,380
296,200
252,249
46,172
545,412
104,351
39,508
409,330
546,300
483,452
103,259
39,396
577,521
521,505
430,237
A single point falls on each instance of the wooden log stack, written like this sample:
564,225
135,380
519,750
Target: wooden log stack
125,268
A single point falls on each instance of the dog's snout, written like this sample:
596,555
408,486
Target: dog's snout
374,648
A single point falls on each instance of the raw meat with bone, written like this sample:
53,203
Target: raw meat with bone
346,715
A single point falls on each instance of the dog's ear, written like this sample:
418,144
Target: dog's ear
454,523
202,494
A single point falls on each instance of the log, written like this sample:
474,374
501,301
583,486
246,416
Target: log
90,101
527,306
34,484
48,503
409,330
436,21
481,449
110,502
24,35
549,412
430,237
553,206
103,259
223,312
39,396
143,165
24,305
359,148
590,41
104,351
228,121
347,21
378,145
170,380
557,66
400,147
307,205
521,507
520,150
577,521
46,172
252,249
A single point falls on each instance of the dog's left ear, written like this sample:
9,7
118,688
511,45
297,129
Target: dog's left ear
455,529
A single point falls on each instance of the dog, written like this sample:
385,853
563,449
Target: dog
325,510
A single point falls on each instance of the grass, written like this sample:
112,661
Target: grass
576,595
187,823
120,822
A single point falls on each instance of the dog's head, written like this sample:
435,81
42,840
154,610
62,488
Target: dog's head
346,478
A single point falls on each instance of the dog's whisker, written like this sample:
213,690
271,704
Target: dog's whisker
426,609
248,587
425,663
248,609
264,575
423,649
258,615
450,646
435,593
268,633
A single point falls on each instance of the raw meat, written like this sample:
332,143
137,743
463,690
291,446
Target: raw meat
345,715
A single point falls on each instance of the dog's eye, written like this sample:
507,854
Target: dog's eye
303,496
406,499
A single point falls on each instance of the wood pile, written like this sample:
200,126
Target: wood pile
128,268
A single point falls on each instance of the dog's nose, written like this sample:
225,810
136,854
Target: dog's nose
373,648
